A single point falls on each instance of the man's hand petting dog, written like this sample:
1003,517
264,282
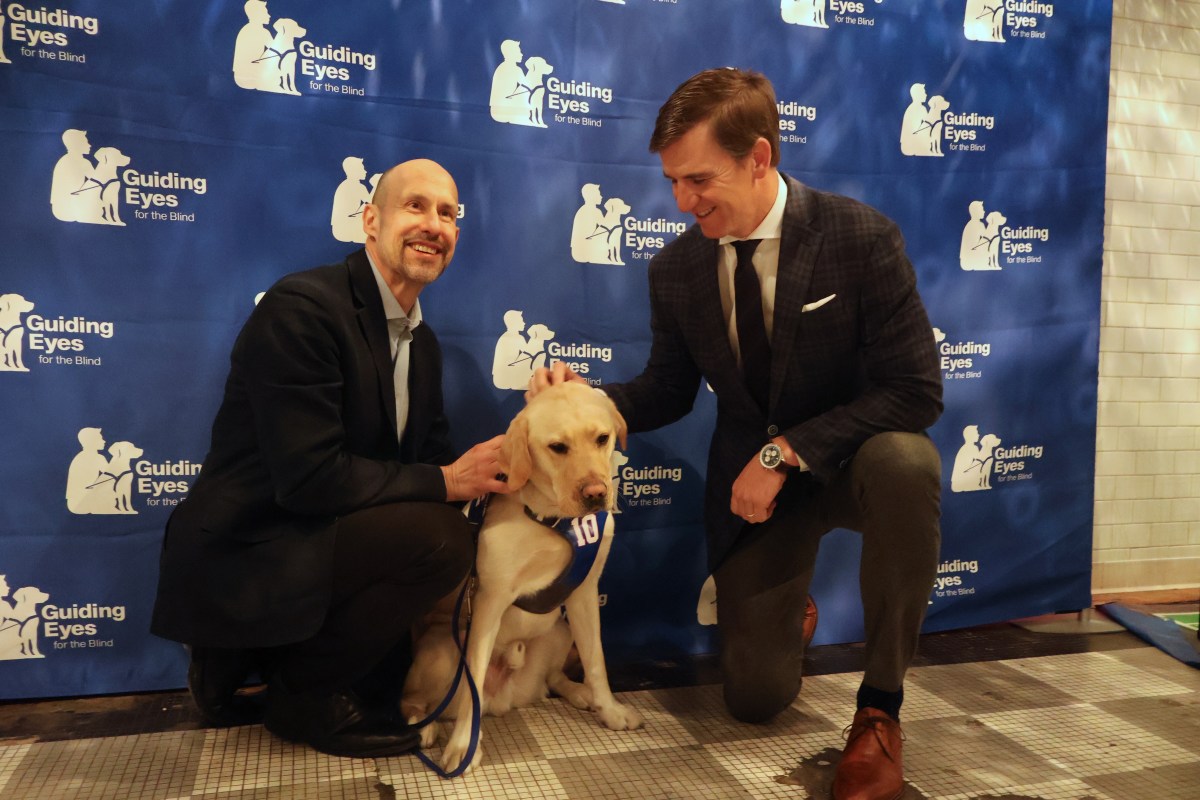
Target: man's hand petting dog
544,378
474,473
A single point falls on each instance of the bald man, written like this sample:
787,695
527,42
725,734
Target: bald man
321,527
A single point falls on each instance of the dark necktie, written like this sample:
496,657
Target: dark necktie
751,329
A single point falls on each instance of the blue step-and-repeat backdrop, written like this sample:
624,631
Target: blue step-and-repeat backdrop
166,161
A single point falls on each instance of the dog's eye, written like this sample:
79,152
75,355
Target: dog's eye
602,439
559,447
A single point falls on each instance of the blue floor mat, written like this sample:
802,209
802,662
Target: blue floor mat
1163,634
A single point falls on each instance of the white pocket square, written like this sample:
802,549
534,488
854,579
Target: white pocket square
813,306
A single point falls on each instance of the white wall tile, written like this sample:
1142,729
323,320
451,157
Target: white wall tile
1147,521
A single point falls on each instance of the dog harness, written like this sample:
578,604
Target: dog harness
582,533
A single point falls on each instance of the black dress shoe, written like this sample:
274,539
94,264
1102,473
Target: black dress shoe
338,724
214,676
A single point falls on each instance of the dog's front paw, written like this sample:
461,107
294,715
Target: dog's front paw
429,735
453,755
620,717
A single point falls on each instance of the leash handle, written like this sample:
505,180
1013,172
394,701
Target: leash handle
476,701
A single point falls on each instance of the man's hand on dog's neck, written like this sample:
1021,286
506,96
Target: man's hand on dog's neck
474,473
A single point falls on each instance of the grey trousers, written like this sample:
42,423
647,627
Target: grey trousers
890,492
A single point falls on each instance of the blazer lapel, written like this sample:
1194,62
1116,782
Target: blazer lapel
373,325
798,250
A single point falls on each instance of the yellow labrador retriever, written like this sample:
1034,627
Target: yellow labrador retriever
557,450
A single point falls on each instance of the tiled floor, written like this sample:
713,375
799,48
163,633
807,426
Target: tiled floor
1116,720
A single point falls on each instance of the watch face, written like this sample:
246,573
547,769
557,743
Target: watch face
770,456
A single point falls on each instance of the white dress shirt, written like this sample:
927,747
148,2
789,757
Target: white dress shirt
766,264
400,327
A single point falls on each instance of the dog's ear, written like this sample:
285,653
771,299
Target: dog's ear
619,422
518,463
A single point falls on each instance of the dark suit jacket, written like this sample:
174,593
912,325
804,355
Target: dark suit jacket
861,364
306,432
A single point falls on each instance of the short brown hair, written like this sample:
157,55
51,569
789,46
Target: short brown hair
740,104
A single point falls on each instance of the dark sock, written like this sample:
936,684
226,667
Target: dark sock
887,702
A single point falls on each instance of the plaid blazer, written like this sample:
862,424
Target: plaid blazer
860,363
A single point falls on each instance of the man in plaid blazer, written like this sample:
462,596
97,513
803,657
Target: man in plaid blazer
819,422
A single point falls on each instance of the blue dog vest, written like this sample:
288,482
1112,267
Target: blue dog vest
582,533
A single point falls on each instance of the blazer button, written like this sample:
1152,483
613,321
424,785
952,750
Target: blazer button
772,430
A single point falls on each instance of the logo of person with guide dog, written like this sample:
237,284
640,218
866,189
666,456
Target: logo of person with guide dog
27,615
525,91
990,243
604,230
102,188
989,20
27,338
981,460
819,13
520,350
273,55
929,127
113,478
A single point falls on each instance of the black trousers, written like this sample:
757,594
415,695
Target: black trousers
392,563
891,493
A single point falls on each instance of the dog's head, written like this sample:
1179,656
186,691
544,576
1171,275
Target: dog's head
14,304
111,157
536,65
617,207
288,29
125,450
30,595
561,443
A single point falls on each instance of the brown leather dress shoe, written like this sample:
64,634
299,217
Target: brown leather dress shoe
871,767
810,621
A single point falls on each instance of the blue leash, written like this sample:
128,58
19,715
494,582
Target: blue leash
476,702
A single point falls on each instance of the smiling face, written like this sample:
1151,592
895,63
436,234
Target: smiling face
410,226
728,196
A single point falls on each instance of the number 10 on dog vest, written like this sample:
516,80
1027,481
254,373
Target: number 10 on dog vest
586,530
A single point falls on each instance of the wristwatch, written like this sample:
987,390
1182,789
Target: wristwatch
771,456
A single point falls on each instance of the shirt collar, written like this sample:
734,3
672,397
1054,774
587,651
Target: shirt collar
391,306
772,225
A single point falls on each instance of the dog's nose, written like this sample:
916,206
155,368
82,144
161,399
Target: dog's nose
595,496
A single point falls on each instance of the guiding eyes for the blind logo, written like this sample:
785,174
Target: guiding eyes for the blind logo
929,127
113,478
989,243
26,615
27,338
987,20
42,33
604,231
98,188
980,461
273,55
525,91
520,350
813,13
